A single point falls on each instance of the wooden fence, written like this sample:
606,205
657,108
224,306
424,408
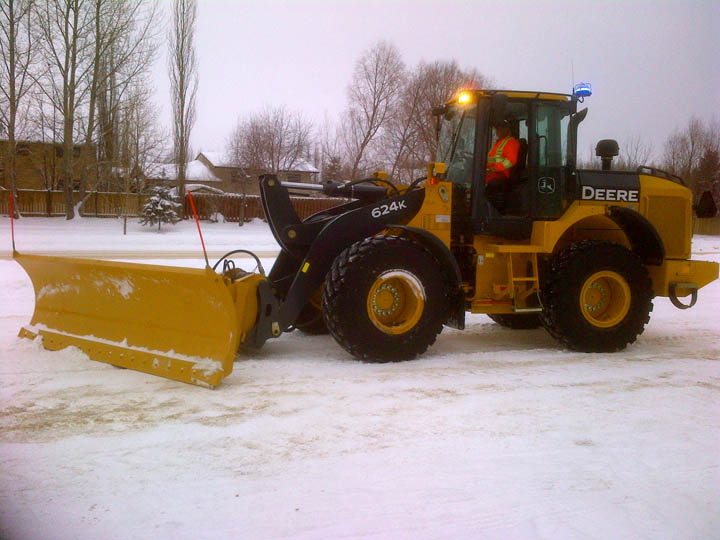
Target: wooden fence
99,204
47,203
237,207
232,207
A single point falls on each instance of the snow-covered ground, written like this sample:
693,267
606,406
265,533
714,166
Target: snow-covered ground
493,433
104,238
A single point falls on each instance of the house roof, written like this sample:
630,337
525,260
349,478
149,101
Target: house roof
198,188
196,171
218,159
203,187
302,166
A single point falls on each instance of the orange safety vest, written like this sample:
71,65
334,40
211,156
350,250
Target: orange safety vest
502,158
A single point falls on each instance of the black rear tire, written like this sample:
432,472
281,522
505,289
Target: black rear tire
597,297
385,299
519,321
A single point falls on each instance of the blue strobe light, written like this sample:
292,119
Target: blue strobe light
582,89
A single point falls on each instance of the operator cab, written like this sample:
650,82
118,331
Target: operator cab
541,184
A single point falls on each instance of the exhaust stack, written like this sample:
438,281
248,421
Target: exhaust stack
606,150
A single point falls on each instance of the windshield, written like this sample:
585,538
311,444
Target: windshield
456,142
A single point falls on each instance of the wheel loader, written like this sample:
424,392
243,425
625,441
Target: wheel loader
579,252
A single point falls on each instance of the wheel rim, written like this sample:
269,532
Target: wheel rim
396,302
605,299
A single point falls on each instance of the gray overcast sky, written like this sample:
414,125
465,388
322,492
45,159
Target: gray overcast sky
652,64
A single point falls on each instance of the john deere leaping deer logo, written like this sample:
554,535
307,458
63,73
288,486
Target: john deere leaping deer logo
546,185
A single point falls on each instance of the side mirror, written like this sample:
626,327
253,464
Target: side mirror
438,113
498,108
579,116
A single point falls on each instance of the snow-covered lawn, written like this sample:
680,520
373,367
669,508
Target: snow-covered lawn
104,238
493,433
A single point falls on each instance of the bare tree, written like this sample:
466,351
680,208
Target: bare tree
184,82
16,56
273,140
66,43
438,82
376,85
634,153
408,141
44,124
683,148
402,139
124,44
401,134
690,153
334,163
141,143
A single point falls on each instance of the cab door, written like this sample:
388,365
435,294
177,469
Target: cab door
549,169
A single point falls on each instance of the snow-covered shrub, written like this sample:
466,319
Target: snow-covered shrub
216,217
161,207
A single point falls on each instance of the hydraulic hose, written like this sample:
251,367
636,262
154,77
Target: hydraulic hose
257,259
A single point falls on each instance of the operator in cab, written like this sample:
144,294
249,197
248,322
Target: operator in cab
501,159
504,154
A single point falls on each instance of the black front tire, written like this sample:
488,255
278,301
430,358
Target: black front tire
597,297
385,299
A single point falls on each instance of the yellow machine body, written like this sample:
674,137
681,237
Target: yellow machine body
506,278
179,323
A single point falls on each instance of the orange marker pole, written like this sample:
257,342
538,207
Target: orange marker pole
197,222
12,220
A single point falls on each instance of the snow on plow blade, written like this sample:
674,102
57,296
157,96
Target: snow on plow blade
178,323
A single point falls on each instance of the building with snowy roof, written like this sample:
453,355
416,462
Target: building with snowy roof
196,172
237,178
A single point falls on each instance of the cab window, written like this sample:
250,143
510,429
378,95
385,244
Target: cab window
553,120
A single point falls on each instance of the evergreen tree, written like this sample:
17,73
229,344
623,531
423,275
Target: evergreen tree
160,208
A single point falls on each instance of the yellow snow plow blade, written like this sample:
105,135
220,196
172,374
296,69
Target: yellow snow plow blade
178,323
